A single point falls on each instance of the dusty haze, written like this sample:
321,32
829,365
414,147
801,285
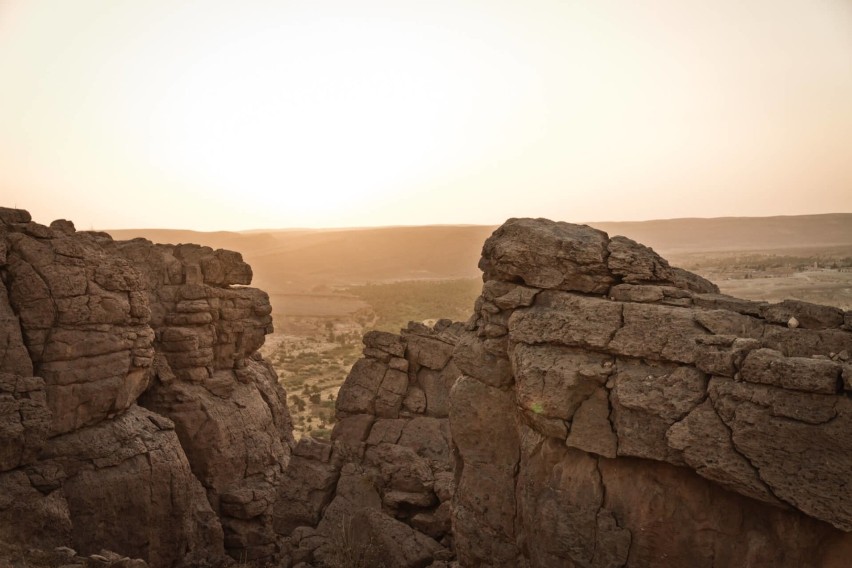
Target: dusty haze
283,114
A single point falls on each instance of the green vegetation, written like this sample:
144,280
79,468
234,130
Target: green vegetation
397,303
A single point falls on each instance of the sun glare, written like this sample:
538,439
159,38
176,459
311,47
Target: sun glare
375,113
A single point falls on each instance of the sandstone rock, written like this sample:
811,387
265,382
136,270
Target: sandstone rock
809,316
544,254
662,503
647,399
378,539
472,358
554,381
358,393
707,448
130,488
722,354
692,380
428,437
767,366
24,420
563,510
386,342
657,332
478,437
429,352
636,263
401,468
15,358
508,296
804,461
30,516
591,430
305,490
61,288
566,319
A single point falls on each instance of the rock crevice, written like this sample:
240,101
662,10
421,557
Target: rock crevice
599,408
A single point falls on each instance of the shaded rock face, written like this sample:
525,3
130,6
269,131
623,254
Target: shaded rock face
229,411
600,408
615,411
380,493
135,412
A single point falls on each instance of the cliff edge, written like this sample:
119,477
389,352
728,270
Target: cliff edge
135,412
600,408
603,409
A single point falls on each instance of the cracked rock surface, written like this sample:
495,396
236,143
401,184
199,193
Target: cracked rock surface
599,409
135,412
630,415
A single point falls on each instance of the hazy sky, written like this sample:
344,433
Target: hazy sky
246,114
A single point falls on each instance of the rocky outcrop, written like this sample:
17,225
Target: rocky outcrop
600,408
228,409
615,411
135,412
380,493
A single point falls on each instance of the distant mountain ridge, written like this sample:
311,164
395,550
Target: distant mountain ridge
294,259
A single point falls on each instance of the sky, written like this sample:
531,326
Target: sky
214,115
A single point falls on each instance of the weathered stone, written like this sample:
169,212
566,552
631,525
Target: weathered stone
706,446
401,468
478,437
429,437
544,254
554,381
386,342
386,431
722,354
428,352
130,488
567,319
358,393
562,497
636,263
508,296
808,316
379,539
657,332
473,358
803,460
306,489
390,394
647,399
635,293
769,367
591,430
24,420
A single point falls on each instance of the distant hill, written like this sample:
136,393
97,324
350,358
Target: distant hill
737,233
300,259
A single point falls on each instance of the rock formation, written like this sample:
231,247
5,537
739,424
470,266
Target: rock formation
135,412
605,409
615,411
380,494
600,408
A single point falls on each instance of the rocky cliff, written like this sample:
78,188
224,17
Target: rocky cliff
600,408
135,412
614,411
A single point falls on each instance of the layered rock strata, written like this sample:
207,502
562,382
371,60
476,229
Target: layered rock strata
600,408
135,412
615,411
